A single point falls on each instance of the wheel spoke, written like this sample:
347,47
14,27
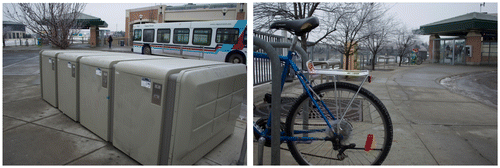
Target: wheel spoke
365,116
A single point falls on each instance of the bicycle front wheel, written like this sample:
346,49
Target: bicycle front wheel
418,61
366,124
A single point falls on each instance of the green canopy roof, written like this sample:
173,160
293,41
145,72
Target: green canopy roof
88,21
461,25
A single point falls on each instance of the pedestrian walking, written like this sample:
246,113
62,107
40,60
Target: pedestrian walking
110,40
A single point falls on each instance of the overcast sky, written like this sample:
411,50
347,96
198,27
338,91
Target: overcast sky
413,15
114,13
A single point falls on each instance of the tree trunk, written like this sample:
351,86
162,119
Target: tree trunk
347,62
400,59
373,61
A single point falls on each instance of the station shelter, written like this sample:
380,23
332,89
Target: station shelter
469,39
93,23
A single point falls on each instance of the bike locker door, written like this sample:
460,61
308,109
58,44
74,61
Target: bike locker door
207,103
96,86
68,78
140,119
48,74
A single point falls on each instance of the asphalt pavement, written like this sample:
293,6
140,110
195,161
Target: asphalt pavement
35,133
432,124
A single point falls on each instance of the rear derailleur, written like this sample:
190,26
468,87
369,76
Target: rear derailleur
337,145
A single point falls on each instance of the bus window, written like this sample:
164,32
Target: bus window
137,35
181,36
149,35
163,36
202,36
227,35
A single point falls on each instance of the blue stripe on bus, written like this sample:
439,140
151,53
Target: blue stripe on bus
240,24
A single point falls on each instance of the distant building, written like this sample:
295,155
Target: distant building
474,39
13,30
184,13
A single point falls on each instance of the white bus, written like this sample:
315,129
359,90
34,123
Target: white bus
212,40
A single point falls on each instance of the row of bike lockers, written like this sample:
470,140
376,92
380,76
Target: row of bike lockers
157,110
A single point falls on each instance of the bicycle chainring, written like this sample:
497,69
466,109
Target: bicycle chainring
262,124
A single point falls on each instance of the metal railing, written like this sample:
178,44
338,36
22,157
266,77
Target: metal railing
262,70
262,66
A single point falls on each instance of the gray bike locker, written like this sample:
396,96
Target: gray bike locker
68,80
168,112
48,73
96,91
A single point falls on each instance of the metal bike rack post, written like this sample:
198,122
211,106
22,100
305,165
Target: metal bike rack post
243,152
275,98
304,56
260,151
276,95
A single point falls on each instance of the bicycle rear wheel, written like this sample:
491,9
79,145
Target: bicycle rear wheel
366,117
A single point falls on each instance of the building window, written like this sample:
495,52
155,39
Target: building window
489,49
202,36
181,36
227,35
137,35
163,36
149,35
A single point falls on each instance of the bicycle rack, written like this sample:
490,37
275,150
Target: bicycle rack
243,152
269,48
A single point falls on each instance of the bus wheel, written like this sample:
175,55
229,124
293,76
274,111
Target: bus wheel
147,51
236,58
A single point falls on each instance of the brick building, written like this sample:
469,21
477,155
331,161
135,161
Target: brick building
184,13
473,39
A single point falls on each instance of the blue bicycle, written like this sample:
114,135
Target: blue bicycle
334,123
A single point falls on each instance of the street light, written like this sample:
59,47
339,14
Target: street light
224,11
140,19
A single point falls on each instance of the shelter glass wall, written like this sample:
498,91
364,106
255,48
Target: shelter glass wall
450,51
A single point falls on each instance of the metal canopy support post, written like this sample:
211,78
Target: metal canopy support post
453,53
275,99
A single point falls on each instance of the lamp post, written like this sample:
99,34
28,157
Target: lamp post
140,19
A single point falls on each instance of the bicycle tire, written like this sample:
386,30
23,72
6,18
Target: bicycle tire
371,122
419,61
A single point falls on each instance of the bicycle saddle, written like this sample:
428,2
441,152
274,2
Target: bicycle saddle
298,27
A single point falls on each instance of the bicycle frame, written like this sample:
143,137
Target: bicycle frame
308,88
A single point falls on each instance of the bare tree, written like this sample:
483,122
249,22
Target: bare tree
379,33
266,13
52,21
349,33
405,39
